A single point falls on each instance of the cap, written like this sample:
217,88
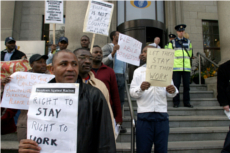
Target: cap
172,36
63,39
8,39
36,57
180,27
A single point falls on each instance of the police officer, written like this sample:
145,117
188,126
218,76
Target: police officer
171,37
182,65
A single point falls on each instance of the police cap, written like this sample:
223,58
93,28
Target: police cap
180,27
172,36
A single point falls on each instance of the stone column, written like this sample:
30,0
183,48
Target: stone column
75,16
224,29
7,18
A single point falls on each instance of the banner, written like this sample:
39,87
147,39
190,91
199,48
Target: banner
159,69
17,92
130,50
54,11
98,17
53,117
9,67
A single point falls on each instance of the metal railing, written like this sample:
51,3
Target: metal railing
132,118
199,56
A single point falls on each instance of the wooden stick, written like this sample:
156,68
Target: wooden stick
91,48
54,29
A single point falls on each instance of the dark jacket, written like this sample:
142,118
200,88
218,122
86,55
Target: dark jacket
95,131
223,84
16,55
108,77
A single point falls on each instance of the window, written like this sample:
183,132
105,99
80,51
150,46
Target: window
211,41
47,33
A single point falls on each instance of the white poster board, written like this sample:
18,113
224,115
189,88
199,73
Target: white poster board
17,92
53,117
130,50
28,47
54,11
159,69
98,17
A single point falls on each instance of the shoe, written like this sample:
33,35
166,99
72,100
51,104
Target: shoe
189,105
175,106
123,130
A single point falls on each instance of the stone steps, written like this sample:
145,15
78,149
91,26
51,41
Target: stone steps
185,111
183,147
190,121
194,101
193,94
187,134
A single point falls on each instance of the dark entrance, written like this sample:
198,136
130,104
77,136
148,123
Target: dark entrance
145,31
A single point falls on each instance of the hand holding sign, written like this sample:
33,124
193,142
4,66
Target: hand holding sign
159,66
129,50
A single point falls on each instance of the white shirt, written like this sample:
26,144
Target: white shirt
152,100
155,45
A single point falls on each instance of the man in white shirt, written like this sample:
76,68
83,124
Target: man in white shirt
156,42
152,117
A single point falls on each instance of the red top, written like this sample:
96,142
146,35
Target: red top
108,77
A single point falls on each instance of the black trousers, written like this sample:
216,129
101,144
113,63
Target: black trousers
177,75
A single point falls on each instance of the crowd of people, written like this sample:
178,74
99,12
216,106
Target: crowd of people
102,87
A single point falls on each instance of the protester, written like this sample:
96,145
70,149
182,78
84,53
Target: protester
182,64
9,117
85,41
156,42
62,43
38,65
119,67
152,118
85,60
171,37
223,89
108,77
95,131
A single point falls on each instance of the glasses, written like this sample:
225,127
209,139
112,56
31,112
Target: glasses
84,57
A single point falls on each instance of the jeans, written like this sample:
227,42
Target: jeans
152,128
121,87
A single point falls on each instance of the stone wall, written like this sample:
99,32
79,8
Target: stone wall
193,14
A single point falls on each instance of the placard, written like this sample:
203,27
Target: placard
54,11
159,66
17,92
130,50
53,117
98,17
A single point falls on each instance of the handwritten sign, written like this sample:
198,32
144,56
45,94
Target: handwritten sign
16,93
9,67
53,117
54,11
159,66
98,17
130,50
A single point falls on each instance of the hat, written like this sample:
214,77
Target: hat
180,27
8,39
172,36
63,39
36,57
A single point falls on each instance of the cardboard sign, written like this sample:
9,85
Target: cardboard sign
53,117
9,67
54,11
159,66
98,17
17,92
130,50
